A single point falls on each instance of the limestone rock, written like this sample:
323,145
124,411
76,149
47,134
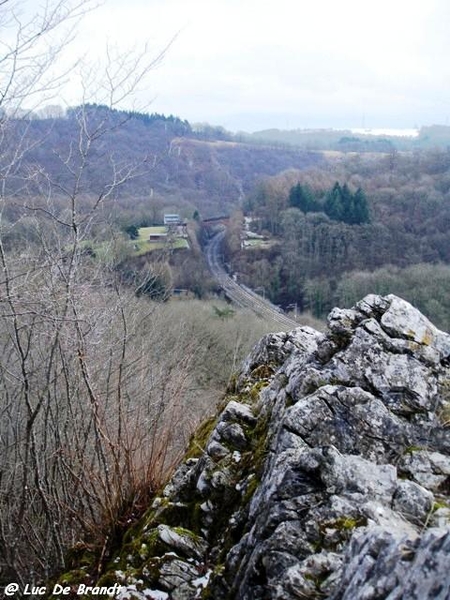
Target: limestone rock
327,475
379,564
273,350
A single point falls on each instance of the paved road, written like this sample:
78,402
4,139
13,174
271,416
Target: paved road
239,294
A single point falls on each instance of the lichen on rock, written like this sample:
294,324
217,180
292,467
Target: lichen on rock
326,475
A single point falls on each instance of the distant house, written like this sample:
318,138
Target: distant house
157,237
171,220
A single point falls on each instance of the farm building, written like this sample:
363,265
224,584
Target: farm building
157,236
172,219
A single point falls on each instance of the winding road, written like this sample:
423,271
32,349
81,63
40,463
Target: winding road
239,294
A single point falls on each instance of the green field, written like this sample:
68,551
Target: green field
142,245
144,232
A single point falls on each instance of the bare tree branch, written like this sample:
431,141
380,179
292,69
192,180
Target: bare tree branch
89,392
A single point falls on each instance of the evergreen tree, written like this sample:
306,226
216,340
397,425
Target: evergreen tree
295,196
342,205
361,208
334,206
301,197
348,205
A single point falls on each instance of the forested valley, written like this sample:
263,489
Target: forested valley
360,223
338,224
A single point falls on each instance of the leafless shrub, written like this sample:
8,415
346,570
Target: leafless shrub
99,387
87,404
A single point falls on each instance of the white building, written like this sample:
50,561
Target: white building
172,220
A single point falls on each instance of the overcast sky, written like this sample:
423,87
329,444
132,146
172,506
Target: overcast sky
254,64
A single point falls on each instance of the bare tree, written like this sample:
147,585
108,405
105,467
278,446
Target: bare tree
88,394
97,384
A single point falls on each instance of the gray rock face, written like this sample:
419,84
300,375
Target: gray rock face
327,475
378,564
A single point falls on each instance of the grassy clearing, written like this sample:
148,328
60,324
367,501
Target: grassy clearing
143,245
140,246
144,232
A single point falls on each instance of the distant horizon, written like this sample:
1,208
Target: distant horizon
252,66
253,123
389,129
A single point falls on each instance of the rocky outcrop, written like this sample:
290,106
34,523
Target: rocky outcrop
326,475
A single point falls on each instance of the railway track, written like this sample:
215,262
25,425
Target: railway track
239,294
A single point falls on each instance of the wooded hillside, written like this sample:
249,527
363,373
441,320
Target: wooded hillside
359,223
168,164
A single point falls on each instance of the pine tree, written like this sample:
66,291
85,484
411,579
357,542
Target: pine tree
334,206
301,197
348,205
361,208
